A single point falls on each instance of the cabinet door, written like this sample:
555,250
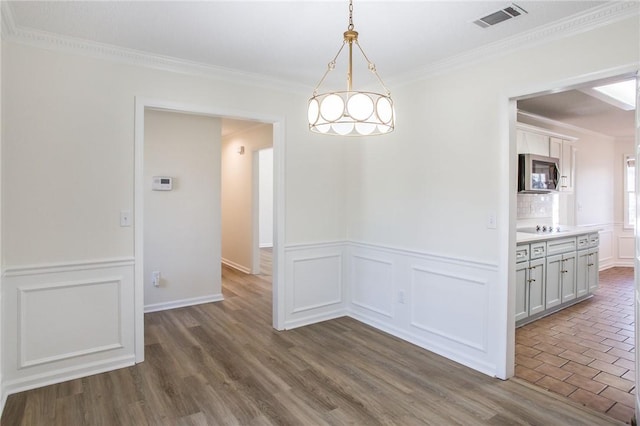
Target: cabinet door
582,273
594,266
555,147
532,143
568,277
553,294
536,286
567,166
522,290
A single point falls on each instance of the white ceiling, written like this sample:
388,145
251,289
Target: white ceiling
292,41
582,110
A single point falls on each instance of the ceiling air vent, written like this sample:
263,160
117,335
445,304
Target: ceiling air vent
500,16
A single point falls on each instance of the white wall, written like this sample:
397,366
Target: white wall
238,204
427,191
68,151
182,226
392,230
265,198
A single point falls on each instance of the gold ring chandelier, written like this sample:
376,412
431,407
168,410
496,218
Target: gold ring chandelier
351,113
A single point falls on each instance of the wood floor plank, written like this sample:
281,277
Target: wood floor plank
223,364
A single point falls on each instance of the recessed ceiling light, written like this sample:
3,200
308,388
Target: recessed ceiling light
624,92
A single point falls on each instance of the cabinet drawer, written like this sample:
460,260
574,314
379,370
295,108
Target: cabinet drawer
562,245
594,240
522,253
583,241
538,250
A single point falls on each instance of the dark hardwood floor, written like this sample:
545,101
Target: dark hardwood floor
222,363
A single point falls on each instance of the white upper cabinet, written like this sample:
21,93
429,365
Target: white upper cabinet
532,143
564,150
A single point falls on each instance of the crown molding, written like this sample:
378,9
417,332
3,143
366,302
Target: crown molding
606,14
7,25
72,45
562,125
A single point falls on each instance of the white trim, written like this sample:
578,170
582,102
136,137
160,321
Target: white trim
314,319
234,265
464,359
465,278
23,314
606,14
543,131
54,268
66,374
458,261
182,303
58,42
8,24
278,124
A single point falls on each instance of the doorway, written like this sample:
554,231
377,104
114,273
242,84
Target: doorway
141,106
579,208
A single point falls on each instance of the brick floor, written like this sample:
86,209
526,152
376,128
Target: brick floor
587,351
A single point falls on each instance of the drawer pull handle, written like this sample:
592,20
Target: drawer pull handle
590,264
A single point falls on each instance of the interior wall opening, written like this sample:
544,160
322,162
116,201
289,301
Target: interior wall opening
572,337
200,181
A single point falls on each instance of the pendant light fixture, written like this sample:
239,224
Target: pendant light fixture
350,112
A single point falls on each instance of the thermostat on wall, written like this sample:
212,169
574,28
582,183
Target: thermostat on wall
162,183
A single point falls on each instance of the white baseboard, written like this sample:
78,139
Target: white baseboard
235,265
618,264
182,303
313,319
471,362
65,374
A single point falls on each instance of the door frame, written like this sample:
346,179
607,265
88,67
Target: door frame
213,110
508,197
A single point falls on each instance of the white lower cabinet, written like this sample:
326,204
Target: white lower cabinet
553,274
561,279
530,288
587,271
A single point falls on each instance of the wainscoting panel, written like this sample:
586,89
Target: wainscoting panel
437,295
316,284
371,284
68,321
440,303
626,247
607,255
81,305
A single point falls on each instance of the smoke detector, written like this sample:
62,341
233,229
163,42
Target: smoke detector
501,15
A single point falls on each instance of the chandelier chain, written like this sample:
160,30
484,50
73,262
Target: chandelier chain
350,27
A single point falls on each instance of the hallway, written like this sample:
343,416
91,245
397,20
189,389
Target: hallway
586,352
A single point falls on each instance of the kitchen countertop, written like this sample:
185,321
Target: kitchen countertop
567,231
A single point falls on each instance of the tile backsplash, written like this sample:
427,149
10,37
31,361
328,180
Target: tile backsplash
533,206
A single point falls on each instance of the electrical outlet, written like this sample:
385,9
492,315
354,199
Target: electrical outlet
492,221
401,296
155,278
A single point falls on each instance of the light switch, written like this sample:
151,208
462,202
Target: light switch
125,218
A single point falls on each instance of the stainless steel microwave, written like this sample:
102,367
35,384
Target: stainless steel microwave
537,173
